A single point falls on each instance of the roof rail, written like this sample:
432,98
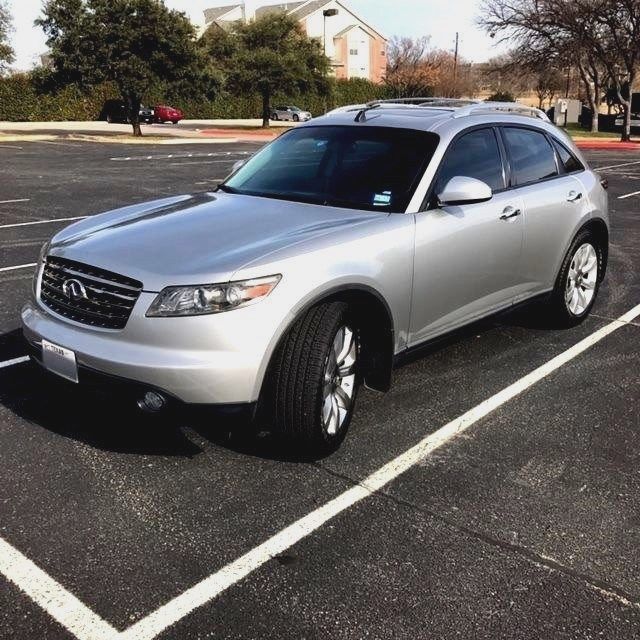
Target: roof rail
501,107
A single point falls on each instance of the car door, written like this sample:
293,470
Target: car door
467,258
552,197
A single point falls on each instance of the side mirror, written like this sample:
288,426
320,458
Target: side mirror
464,190
238,164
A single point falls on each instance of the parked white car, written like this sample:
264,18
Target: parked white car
292,114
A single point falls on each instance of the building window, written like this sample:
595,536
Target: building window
353,52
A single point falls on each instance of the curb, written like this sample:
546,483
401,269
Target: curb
607,145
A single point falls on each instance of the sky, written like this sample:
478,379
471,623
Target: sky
435,18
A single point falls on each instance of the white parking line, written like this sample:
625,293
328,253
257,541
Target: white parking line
615,166
174,156
18,266
9,146
12,201
628,195
26,224
86,625
59,603
13,362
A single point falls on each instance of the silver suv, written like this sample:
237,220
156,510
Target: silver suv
334,250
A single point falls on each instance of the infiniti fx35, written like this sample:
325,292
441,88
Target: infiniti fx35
334,250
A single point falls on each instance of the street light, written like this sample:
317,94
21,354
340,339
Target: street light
327,13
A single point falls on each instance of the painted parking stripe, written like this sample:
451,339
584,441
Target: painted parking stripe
86,625
615,166
214,585
26,224
18,266
170,156
629,195
13,362
59,603
13,201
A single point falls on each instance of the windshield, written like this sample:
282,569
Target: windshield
370,168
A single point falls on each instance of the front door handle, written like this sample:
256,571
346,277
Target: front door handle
574,196
510,213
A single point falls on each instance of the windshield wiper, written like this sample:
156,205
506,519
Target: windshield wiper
226,189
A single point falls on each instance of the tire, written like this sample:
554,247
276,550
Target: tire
308,409
578,282
296,117
275,116
109,119
174,121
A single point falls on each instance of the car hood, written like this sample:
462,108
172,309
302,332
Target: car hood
196,239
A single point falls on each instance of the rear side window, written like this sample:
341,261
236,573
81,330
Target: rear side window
567,159
532,156
473,155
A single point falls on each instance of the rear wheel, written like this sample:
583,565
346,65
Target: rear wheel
296,117
579,280
315,379
275,116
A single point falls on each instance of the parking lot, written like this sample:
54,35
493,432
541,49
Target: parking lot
526,524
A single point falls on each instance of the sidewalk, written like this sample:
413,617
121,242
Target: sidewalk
186,132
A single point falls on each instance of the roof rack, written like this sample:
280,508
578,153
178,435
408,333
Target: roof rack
459,107
514,108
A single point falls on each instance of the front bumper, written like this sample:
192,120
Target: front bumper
218,359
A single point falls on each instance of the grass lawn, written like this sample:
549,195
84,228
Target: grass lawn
576,131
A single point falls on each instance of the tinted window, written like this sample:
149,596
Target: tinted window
373,168
473,155
567,159
532,157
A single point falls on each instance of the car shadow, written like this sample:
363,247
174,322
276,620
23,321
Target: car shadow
102,421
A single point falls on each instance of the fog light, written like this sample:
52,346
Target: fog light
152,402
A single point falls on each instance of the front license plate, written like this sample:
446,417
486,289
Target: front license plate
60,360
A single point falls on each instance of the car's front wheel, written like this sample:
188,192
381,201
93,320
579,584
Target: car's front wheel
578,283
315,379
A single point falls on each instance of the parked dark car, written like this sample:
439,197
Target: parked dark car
163,113
116,111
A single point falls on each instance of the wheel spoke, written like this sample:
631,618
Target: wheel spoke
347,344
589,285
343,399
334,419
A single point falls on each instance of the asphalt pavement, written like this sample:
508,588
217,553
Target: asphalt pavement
117,525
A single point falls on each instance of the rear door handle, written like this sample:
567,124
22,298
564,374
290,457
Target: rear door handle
574,196
510,213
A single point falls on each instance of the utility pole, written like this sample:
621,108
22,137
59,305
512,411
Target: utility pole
455,64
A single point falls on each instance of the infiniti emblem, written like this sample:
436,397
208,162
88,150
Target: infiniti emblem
74,290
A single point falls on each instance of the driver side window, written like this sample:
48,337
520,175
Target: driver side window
473,155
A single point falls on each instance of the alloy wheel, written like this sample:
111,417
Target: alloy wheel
339,381
582,279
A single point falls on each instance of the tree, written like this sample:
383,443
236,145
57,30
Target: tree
6,52
412,69
600,37
269,55
137,44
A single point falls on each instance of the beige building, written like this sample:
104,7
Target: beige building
356,48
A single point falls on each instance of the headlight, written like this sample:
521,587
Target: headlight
210,298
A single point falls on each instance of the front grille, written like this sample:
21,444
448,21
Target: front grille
105,299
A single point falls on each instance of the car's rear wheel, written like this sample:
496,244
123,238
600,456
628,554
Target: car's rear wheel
296,117
315,379
578,283
275,116
109,119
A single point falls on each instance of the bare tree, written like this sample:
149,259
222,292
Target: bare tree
412,70
600,37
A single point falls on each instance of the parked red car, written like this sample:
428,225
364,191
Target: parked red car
163,113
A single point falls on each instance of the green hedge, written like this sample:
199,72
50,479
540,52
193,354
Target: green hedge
22,100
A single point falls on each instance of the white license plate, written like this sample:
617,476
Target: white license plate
60,360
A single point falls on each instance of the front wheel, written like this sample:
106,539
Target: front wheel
578,283
315,379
